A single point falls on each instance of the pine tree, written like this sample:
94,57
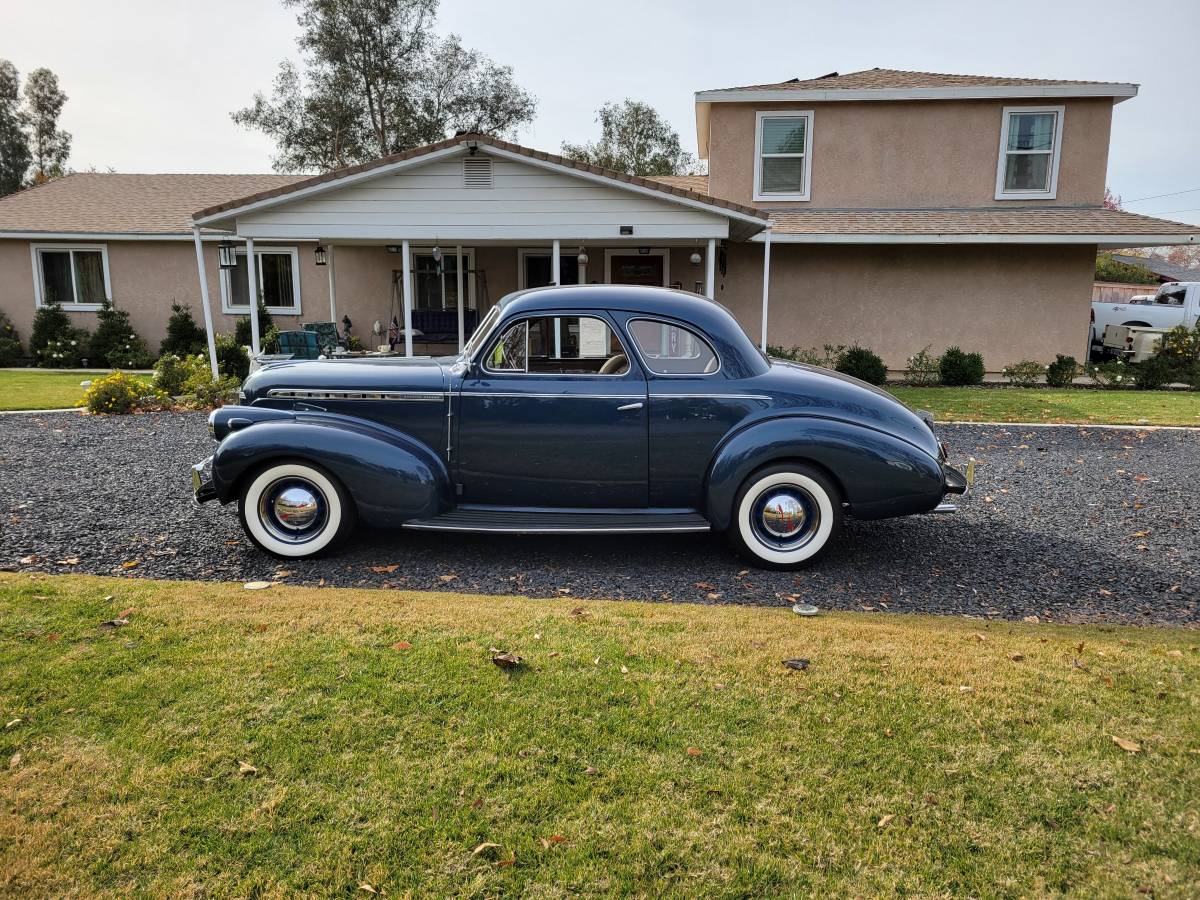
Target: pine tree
184,336
115,343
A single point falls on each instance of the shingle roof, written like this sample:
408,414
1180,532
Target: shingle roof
1161,267
697,183
93,203
1042,220
489,141
883,79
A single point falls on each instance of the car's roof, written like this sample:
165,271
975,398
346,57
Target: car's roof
711,317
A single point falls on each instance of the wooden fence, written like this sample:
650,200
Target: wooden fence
1112,292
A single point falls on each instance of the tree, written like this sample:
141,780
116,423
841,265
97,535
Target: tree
376,80
1111,200
636,140
49,144
14,141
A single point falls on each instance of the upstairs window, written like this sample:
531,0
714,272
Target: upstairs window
783,155
73,275
1030,145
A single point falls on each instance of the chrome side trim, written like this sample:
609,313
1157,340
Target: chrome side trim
710,397
564,529
538,396
316,394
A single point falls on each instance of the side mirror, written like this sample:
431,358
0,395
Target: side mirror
459,369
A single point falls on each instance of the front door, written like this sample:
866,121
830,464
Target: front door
637,268
553,414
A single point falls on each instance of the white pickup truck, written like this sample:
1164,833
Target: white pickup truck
1135,330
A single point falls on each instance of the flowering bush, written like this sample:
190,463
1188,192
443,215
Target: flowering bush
922,368
204,393
1113,375
10,343
173,374
1026,373
232,358
1062,371
119,392
115,343
53,343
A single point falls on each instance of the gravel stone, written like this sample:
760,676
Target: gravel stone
1066,524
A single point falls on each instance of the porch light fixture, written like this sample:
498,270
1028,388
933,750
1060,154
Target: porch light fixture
696,258
227,254
582,258
321,256
437,254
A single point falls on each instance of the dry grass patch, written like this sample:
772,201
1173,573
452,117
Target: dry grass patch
229,742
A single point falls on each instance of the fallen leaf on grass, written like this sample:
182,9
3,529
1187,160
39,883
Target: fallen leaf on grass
114,623
385,570
505,659
548,842
484,847
1126,745
694,751
14,760
511,861
13,724
884,820
245,769
257,585
402,645
591,770
367,888
800,664
1017,657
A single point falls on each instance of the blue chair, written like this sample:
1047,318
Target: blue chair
300,344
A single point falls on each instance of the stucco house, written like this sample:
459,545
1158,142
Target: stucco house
893,209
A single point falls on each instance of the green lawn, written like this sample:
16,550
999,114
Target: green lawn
39,389
1088,407
293,741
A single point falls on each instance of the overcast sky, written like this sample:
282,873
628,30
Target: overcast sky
152,82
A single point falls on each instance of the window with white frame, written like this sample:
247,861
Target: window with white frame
75,276
1030,147
277,270
435,285
783,155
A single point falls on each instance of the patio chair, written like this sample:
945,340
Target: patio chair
300,344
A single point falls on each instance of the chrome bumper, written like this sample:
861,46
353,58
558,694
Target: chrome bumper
202,486
954,482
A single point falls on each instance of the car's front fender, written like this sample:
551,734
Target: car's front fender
391,477
880,475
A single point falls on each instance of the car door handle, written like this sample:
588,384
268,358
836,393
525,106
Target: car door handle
630,406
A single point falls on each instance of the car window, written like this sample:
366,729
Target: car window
672,349
559,345
1172,297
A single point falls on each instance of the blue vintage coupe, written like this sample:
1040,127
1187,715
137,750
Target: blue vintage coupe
583,409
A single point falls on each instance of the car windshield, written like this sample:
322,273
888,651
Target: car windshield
481,333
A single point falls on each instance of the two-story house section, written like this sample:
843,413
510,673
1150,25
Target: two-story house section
911,208
897,210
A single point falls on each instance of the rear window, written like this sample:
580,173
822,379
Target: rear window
670,349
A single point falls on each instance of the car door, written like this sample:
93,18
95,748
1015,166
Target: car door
553,414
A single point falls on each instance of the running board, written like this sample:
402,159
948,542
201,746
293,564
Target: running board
521,521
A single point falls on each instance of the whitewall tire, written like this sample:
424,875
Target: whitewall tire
785,515
295,510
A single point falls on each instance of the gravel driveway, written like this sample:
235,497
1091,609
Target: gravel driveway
1067,524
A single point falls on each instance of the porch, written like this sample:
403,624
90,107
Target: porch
417,247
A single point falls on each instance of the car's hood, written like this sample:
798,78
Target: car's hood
370,374
832,394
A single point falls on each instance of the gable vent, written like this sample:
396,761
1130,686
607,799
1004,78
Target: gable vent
477,171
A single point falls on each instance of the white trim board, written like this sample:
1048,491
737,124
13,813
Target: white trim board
1113,240
106,236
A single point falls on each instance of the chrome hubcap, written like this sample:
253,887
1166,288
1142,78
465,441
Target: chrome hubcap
785,517
293,510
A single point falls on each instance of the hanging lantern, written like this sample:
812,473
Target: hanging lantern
696,258
582,258
227,254
321,255
437,255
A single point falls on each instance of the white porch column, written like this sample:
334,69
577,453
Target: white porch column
766,284
208,322
408,299
252,289
555,274
710,270
462,300
332,286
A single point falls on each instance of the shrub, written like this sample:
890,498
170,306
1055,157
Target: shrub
958,368
204,393
1062,371
1156,372
241,327
53,342
119,392
863,364
173,374
827,357
354,343
1111,375
1181,346
184,336
1026,373
232,358
115,343
922,368
1109,269
11,352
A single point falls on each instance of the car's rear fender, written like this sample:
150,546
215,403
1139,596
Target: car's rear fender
391,477
880,475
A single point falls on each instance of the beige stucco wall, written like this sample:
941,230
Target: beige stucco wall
911,154
1008,302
